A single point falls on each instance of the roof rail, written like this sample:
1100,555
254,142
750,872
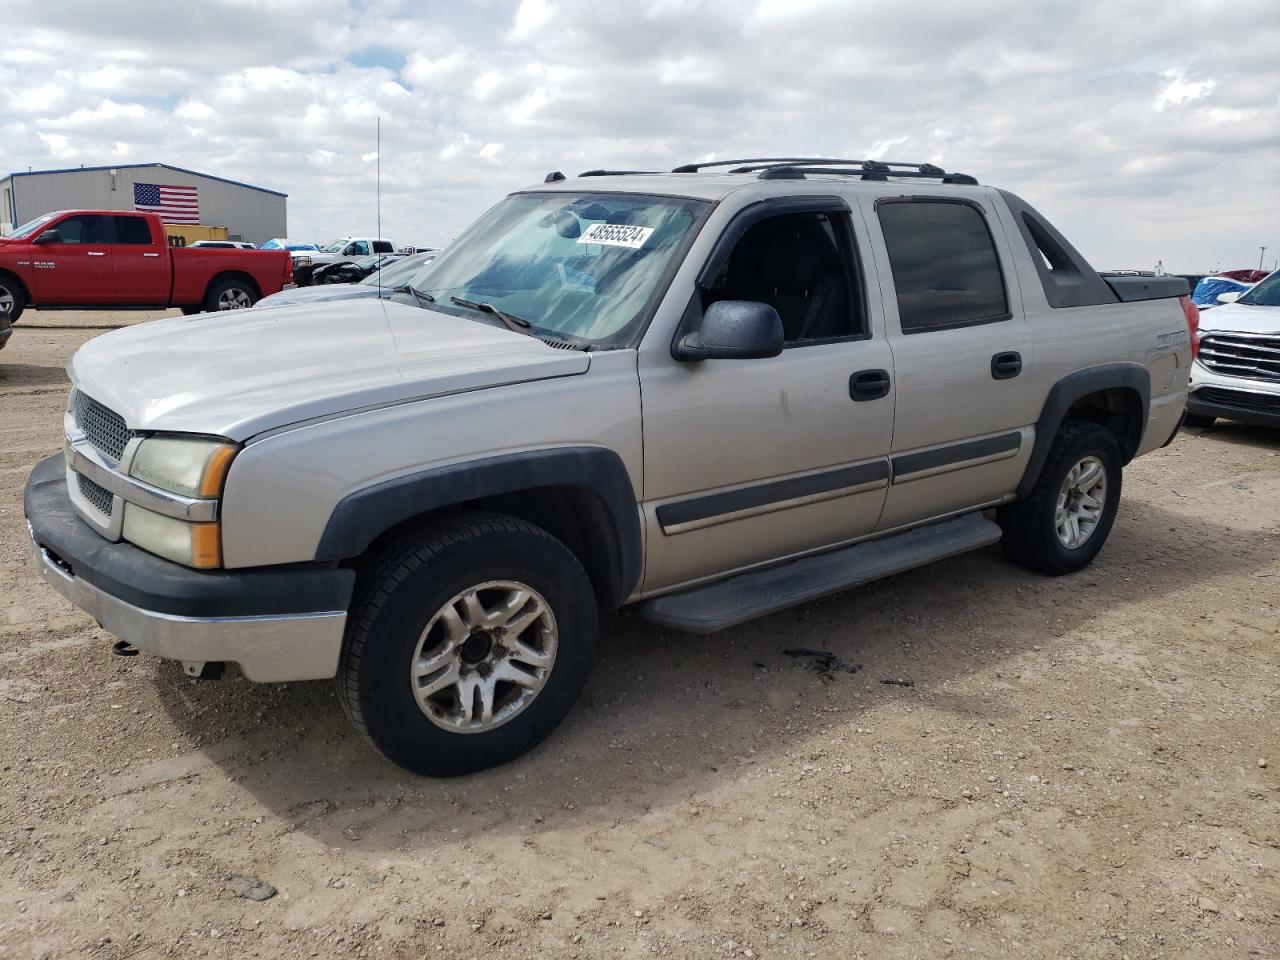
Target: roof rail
795,168
614,173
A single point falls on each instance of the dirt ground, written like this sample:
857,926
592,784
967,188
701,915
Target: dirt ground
1079,767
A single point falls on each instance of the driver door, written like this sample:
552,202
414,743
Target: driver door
77,267
752,461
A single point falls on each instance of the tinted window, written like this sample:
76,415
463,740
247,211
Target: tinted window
799,264
132,230
382,246
944,264
358,249
89,228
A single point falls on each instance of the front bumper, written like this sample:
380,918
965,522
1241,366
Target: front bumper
1234,403
276,623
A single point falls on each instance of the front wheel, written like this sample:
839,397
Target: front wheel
230,295
467,644
1060,527
12,300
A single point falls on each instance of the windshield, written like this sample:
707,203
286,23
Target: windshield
587,266
1265,293
32,226
395,274
336,246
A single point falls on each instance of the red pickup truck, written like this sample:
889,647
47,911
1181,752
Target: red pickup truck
105,258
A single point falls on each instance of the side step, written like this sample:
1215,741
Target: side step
726,603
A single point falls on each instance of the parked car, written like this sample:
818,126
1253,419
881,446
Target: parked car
1208,293
706,398
392,282
353,271
301,253
105,258
1236,375
346,249
224,244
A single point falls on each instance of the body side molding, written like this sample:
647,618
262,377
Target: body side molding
363,515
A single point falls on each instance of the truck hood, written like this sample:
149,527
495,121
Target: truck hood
1241,318
237,374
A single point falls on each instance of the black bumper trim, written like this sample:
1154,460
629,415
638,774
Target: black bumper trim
1229,411
151,583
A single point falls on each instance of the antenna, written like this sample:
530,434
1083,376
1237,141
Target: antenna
378,231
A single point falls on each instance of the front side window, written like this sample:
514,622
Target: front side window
358,249
585,267
133,230
944,263
87,228
799,264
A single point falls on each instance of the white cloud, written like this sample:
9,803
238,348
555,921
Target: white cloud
1145,130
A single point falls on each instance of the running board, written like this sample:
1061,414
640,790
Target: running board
737,599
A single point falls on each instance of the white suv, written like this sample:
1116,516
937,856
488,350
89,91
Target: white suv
1237,373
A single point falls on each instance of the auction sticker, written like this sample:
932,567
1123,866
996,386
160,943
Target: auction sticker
616,235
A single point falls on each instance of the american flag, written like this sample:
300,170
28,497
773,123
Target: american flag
174,204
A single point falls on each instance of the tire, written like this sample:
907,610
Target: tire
1032,536
191,311
230,295
12,300
401,619
1199,420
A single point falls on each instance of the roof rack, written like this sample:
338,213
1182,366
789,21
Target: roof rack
795,168
615,173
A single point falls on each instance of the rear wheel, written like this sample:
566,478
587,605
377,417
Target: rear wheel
12,300
467,645
1060,527
230,295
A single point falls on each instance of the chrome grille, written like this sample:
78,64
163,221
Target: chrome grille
99,496
102,427
1252,356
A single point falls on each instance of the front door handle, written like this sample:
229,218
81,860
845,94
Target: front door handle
95,253
869,385
1006,366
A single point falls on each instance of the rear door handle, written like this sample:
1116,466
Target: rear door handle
95,253
869,385
1006,366
151,254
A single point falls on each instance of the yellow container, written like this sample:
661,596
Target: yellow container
190,232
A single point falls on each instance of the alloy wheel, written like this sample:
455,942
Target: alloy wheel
1081,500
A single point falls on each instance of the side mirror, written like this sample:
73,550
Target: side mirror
733,330
1230,297
49,236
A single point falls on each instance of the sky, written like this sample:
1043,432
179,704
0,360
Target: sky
1145,131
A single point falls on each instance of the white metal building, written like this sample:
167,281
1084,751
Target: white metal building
249,213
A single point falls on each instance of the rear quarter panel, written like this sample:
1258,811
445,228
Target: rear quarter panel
1151,333
195,267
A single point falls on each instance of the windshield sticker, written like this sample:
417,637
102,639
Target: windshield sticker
616,235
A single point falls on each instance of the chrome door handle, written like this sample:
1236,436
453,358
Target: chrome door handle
96,253
151,254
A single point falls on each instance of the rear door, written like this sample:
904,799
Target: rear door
965,406
139,261
76,268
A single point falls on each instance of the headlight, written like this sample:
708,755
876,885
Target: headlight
192,544
189,467
302,261
192,468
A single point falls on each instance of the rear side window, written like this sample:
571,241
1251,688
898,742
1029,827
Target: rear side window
132,230
944,264
382,246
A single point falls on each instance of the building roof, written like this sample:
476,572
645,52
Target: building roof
135,166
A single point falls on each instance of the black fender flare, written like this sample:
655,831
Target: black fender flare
364,515
1068,390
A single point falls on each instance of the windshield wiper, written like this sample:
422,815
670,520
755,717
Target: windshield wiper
512,322
418,294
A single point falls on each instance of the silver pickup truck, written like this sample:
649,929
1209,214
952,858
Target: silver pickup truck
705,395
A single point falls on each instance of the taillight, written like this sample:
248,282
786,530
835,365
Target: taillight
1192,313
288,268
